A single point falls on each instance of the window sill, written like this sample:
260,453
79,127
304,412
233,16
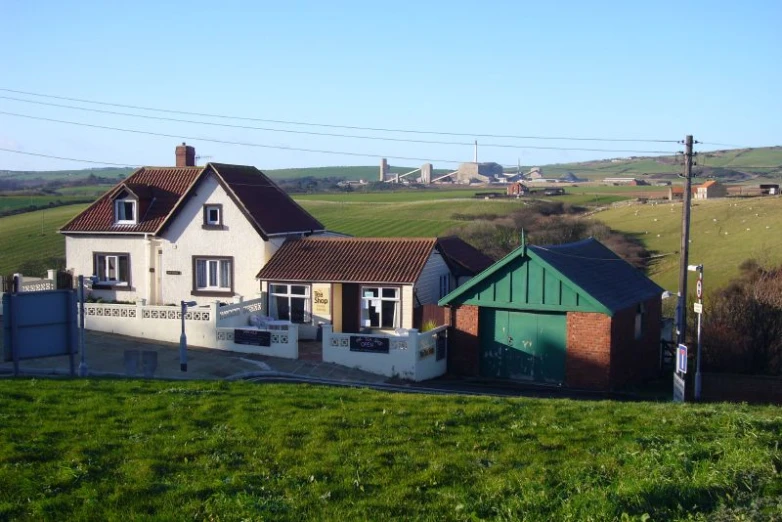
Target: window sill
125,222
118,288
212,293
213,227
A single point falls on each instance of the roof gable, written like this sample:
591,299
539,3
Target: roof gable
461,257
582,276
271,210
349,260
158,189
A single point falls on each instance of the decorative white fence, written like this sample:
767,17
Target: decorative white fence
415,356
210,326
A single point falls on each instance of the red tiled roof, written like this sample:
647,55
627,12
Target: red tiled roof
463,258
350,259
163,188
708,184
265,202
160,190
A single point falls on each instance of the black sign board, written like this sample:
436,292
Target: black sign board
442,344
369,344
253,337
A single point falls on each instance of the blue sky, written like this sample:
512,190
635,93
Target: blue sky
617,69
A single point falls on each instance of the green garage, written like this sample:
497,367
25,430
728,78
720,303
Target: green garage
573,314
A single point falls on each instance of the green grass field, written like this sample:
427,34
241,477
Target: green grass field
21,236
723,233
133,450
17,202
423,218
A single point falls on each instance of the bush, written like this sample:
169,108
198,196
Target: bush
742,330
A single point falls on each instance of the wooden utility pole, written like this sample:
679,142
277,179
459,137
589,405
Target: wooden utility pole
685,246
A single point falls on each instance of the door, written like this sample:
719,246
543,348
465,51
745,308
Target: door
524,346
351,302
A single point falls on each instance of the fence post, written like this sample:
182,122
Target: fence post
51,275
18,280
412,345
140,309
326,338
214,316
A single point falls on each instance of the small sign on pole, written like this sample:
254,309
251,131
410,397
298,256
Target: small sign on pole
698,307
678,388
681,359
699,288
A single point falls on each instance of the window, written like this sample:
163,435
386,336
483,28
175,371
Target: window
639,321
125,211
445,285
213,216
112,269
290,302
380,307
213,275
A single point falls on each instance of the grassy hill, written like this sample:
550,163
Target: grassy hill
725,164
723,232
33,236
132,450
734,164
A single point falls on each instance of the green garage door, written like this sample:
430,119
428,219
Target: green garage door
522,345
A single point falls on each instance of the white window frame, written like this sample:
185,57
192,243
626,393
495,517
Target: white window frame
104,278
285,290
119,210
216,278
377,304
215,208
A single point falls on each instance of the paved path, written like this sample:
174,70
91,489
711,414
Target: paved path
106,355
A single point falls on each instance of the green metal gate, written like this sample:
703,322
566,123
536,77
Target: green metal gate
523,345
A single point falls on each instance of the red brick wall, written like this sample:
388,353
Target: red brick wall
634,360
588,357
463,341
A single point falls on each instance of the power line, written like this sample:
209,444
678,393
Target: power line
337,135
37,154
229,142
333,126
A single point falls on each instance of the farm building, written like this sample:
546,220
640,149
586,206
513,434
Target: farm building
710,189
624,181
575,315
517,189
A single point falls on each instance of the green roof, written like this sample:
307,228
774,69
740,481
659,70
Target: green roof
583,276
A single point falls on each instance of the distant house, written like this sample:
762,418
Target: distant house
188,232
573,314
363,284
517,189
710,189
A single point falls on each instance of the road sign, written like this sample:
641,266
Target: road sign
678,388
699,289
698,307
681,358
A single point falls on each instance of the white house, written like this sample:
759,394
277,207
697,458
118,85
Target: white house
364,284
187,232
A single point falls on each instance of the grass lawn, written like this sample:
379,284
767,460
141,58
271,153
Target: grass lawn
33,235
723,232
127,450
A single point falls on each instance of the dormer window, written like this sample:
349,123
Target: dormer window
125,211
213,216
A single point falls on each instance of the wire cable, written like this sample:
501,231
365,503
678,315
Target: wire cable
334,126
40,155
337,135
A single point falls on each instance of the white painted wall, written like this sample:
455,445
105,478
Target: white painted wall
186,238
427,287
79,252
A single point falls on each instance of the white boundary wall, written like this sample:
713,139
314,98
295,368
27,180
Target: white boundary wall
412,356
210,326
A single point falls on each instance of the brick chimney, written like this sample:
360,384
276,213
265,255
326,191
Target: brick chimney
185,155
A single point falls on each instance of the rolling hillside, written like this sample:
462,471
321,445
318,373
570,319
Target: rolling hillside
734,164
723,234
